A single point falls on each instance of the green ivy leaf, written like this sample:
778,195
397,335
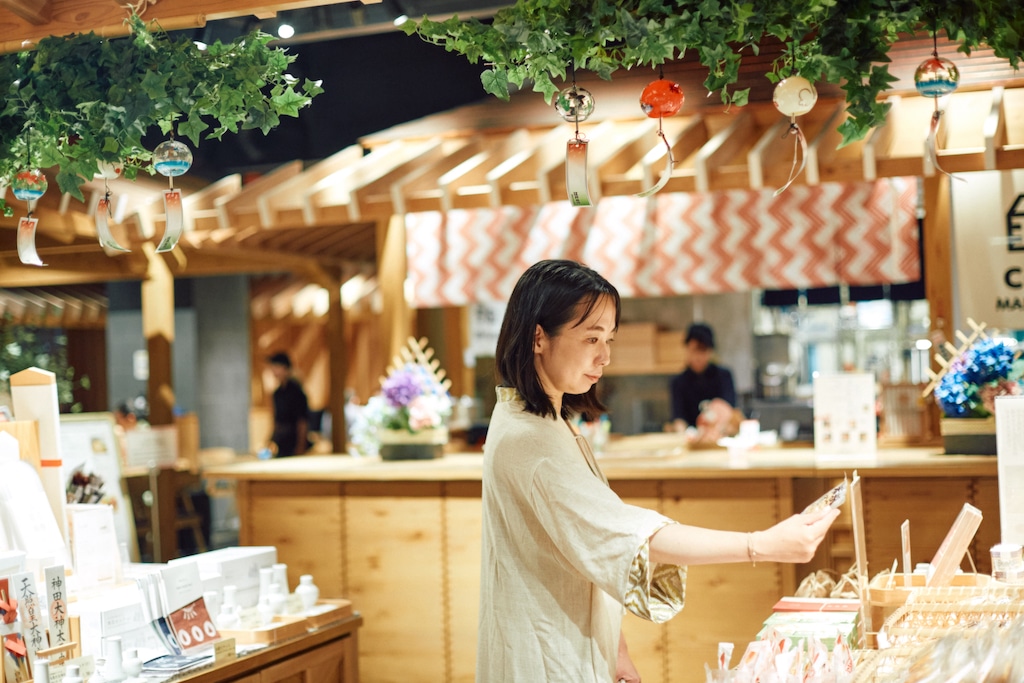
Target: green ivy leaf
495,82
289,102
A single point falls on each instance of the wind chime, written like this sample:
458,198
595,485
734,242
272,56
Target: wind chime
108,170
29,185
171,158
794,96
659,99
936,77
576,104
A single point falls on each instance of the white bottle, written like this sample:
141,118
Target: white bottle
277,599
97,675
72,674
265,610
41,671
307,591
280,576
266,578
230,599
212,601
132,663
228,618
113,670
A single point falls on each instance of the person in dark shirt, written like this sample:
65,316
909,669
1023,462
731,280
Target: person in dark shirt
703,395
291,409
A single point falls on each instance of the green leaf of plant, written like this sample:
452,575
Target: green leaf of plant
495,82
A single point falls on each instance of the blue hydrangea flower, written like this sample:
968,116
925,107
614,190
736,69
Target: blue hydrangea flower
988,366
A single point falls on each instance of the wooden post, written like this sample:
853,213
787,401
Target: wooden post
158,329
937,237
337,359
392,269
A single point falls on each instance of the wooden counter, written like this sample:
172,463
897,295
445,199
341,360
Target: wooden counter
402,539
326,655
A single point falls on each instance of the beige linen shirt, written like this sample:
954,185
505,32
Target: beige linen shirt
562,556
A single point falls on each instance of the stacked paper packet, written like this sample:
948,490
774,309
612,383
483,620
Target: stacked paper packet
1010,450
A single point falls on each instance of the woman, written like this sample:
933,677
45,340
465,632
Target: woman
562,554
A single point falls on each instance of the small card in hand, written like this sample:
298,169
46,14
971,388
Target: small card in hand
833,498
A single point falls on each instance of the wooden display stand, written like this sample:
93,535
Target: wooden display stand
26,433
288,626
324,655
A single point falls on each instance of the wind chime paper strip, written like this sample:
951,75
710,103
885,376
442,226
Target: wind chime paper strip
106,239
27,242
799,154
666,174
931,146
576,172
174,220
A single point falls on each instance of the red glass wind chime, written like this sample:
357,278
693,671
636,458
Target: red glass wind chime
659,99
575,104
936,77
794,96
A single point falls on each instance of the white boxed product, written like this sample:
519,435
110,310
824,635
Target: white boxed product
237,566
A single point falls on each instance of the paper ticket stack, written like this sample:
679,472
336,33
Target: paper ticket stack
34,395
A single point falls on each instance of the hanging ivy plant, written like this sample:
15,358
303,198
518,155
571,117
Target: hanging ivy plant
77,100
845,43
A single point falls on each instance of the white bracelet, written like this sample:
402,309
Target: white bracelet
751,553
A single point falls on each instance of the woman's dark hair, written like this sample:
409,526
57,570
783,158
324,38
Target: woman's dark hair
551,294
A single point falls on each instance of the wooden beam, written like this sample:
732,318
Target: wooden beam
994,129
815,147
757,153
517,180
35,12
725,143
878,140
417,190
158,329
106,18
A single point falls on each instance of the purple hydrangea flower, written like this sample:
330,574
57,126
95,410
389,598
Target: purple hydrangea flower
400,388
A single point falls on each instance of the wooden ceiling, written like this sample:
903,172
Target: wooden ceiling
323,220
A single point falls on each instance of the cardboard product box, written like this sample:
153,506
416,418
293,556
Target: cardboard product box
825,626
237,566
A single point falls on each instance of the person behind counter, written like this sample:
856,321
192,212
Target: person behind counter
291,409
562,555
703,394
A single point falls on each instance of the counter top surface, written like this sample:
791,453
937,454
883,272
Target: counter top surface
642,457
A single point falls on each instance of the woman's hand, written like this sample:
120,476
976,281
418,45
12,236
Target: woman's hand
624,669
794,539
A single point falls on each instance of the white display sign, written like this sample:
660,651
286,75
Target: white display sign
988,234
484,326
845,421
1010,449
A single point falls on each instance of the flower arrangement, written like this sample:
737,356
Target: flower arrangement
414,399
983,370
413,403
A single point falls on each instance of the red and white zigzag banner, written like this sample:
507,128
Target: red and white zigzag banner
675,243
